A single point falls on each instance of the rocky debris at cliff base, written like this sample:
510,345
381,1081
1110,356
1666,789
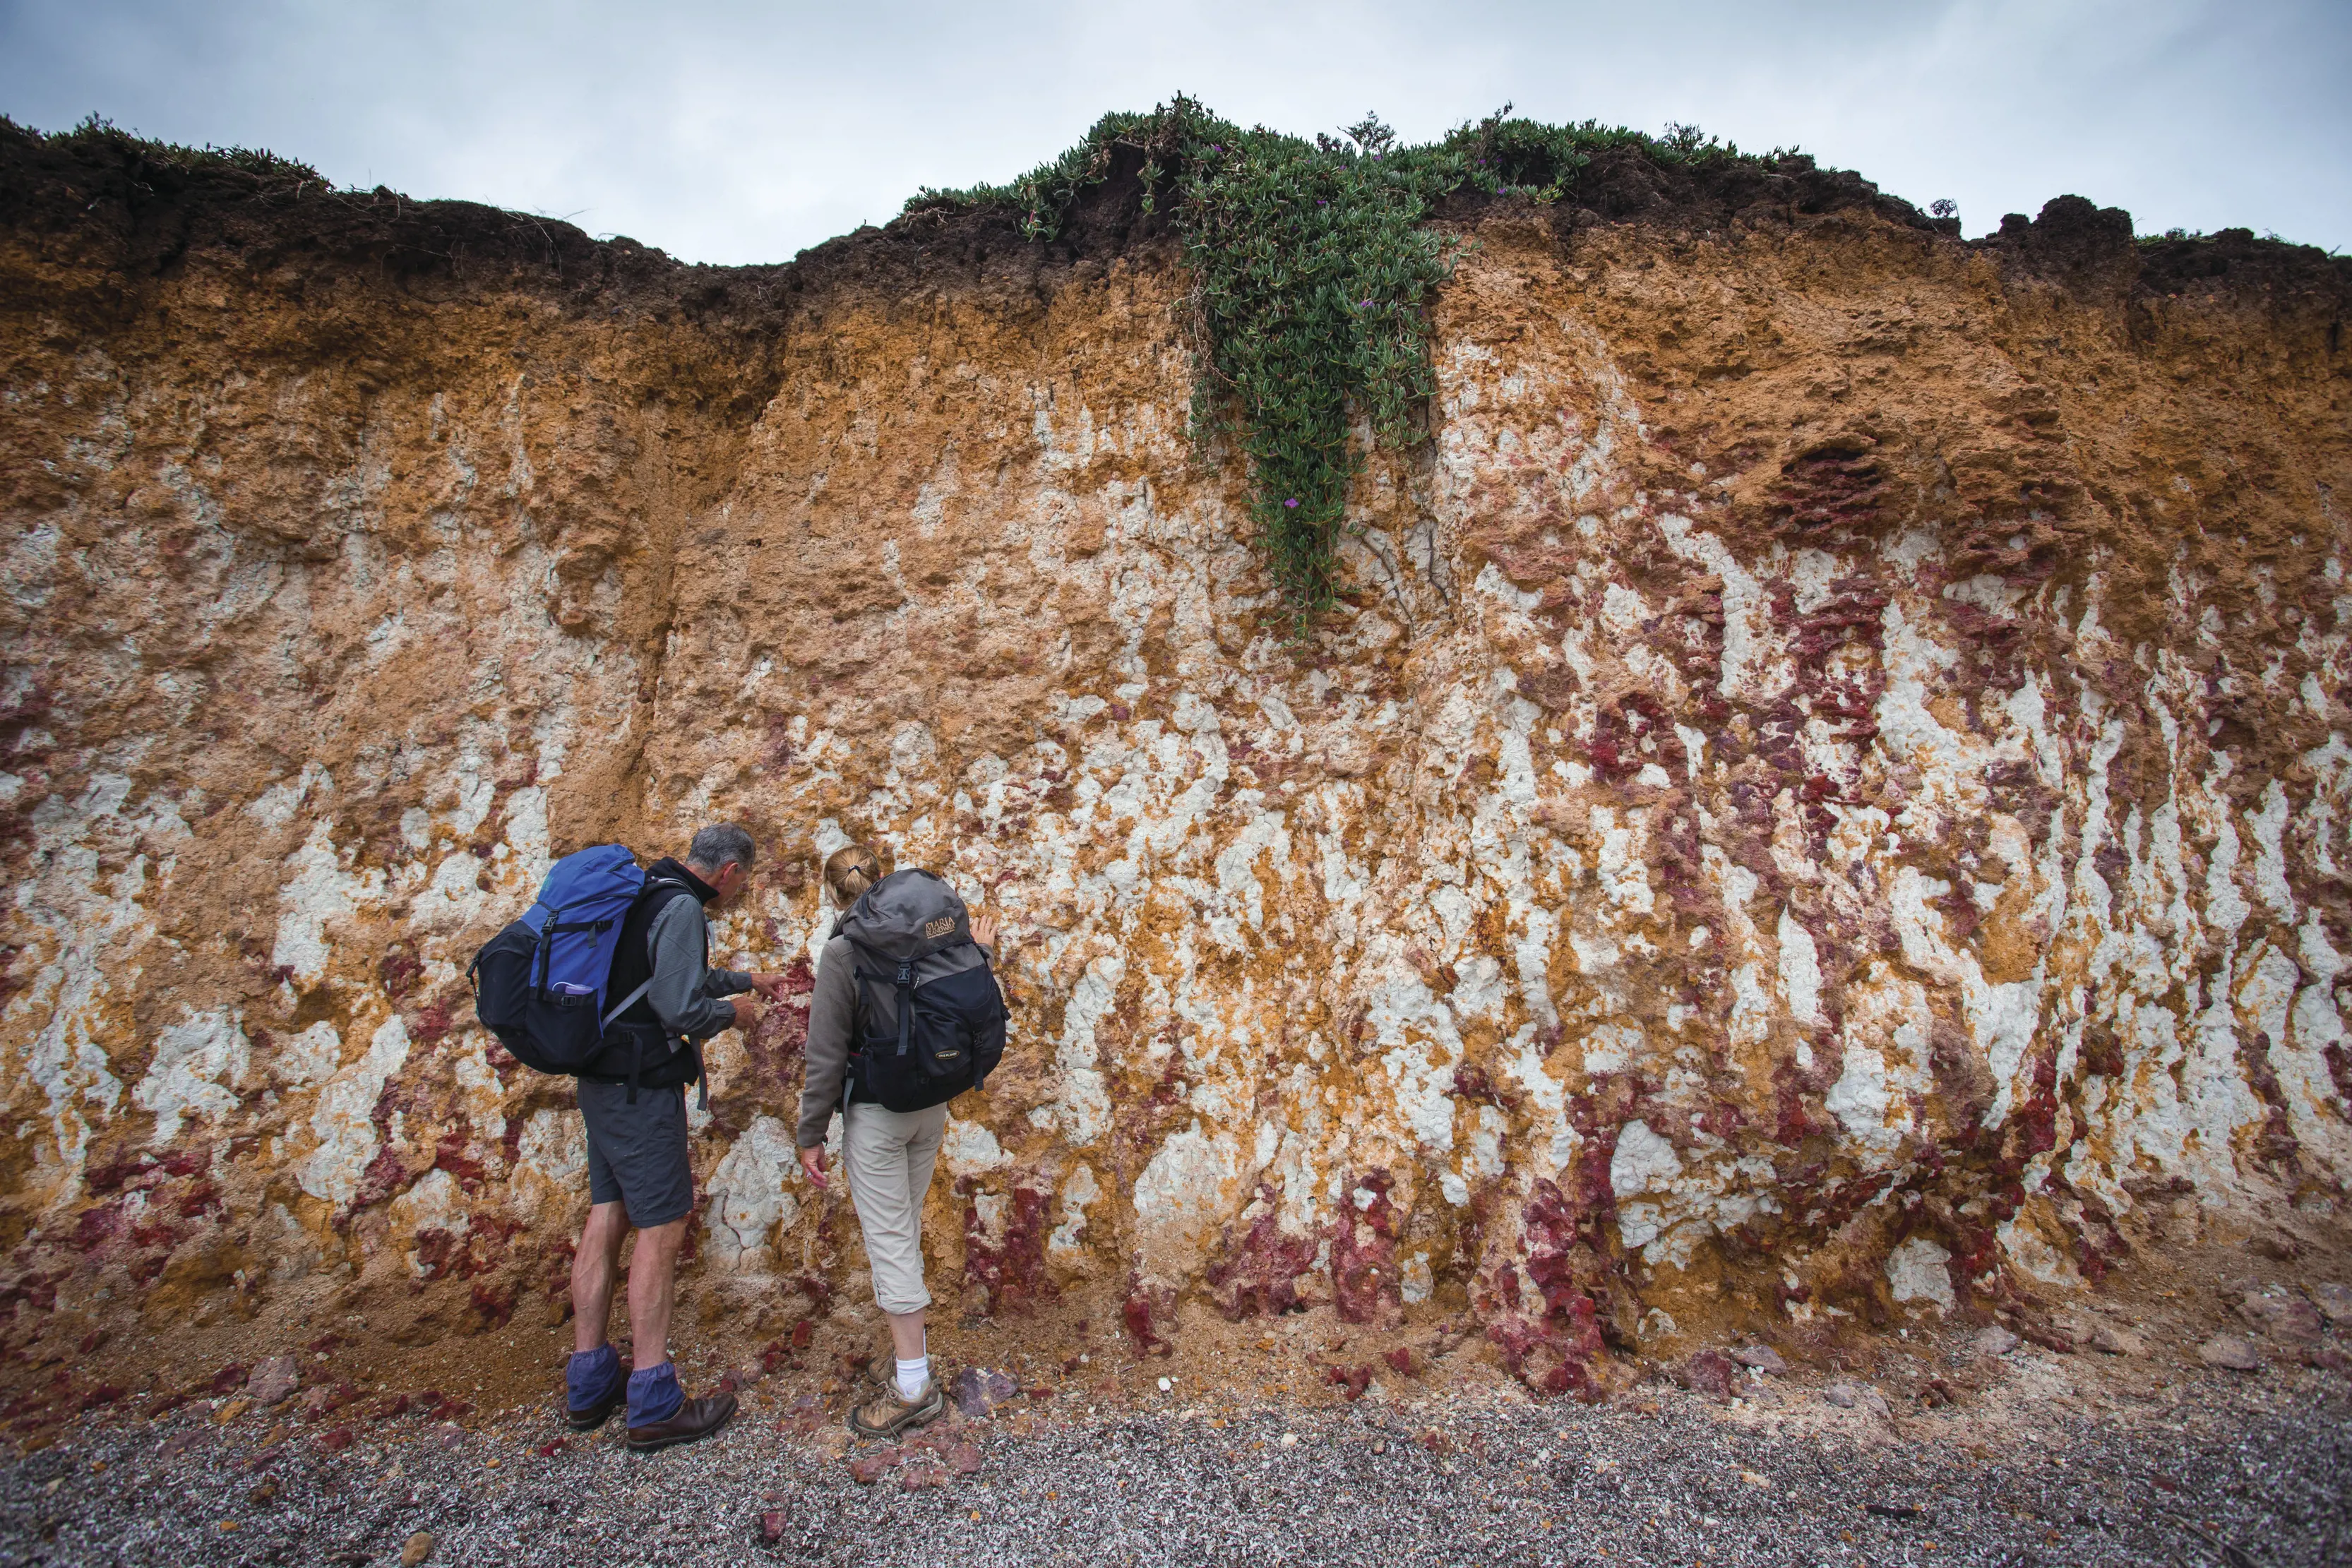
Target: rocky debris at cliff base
2228,1465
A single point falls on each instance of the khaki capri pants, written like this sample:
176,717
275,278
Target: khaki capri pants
888,1155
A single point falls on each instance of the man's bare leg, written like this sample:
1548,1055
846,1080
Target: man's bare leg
594,1264
653,1276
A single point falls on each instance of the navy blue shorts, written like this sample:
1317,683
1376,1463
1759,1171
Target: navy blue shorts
637,1153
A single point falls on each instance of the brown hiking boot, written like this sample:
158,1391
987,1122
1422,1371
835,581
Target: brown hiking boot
596,1415
886,1412
882,1365
695,1419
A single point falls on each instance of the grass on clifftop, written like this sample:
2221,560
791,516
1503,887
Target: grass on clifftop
1311,277
100,136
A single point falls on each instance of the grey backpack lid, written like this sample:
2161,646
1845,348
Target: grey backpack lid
907,915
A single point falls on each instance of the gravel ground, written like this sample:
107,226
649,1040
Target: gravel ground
2228,1471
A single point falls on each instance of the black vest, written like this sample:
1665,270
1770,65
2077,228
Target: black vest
636,1039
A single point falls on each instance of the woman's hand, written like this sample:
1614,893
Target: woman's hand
812,1165
983,930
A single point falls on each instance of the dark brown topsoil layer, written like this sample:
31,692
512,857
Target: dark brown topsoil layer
134,211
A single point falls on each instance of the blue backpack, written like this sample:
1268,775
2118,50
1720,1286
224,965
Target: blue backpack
539,985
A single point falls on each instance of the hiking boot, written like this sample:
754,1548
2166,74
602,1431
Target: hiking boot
886,1412
589,1418
695,1419
596,1415
882,1370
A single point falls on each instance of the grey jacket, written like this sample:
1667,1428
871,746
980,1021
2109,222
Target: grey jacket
687,995
831,1032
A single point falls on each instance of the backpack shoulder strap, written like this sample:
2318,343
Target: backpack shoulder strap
625,1003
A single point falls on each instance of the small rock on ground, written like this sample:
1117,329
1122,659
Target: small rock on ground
2290,1318
2109,1340
2230,1353
1995,1340
273,1380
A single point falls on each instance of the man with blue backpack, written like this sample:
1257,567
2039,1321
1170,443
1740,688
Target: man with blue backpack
601,929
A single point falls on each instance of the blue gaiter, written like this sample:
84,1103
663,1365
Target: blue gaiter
589,1376
654,1393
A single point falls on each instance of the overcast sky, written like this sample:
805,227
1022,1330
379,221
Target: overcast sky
730,131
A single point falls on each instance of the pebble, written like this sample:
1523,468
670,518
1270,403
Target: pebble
1709,1371
1851,1396
418,1547
2230,1352
273,1380
1762,1357
2110,1341
2335,1300
921,1477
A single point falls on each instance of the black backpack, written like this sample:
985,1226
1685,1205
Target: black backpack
931,1016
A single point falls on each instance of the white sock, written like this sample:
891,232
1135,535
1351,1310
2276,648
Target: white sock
913,1374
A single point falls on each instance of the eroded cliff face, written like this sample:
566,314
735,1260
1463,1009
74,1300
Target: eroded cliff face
1826,800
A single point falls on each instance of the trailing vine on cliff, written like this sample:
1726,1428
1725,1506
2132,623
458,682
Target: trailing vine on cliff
1312,271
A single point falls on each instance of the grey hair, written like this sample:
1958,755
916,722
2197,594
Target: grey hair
718,845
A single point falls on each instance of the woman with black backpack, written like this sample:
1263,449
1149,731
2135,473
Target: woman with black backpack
906,1016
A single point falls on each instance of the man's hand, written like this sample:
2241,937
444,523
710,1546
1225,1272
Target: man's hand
812,1165
769,986
983,930
747,1013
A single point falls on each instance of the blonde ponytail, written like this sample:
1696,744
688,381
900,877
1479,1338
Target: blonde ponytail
849,871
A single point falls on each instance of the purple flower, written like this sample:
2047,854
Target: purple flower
1292,502
1363,304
